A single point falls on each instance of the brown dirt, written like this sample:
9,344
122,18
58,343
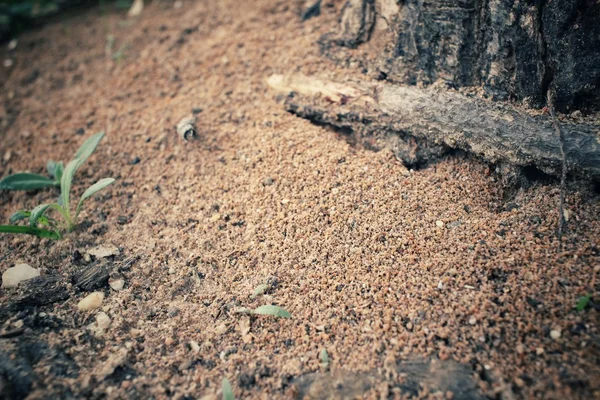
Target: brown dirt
347,238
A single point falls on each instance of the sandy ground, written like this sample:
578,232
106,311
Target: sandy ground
402,276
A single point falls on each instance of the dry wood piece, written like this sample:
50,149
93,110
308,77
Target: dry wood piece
419,123
42,290
93,277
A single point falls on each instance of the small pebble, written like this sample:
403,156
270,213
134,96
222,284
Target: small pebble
18,324
104,251
17,274
103,320
91,301
539,351
439,224
169,341
555,334
117,284
194,346
472,320
268,181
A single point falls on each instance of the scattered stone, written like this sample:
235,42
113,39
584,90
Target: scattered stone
135,161
439,224
520,349
268,181
539,351
18,324
186,128
196,110
117,283
103,320
17,274
194,346
555,334
172,311
91,301
169,341
104,251
215,217
472,320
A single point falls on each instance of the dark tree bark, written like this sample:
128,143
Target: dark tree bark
514,50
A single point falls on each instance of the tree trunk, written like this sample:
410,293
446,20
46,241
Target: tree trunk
467,74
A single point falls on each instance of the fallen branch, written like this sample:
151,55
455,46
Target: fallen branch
418,124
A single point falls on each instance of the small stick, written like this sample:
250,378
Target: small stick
563,175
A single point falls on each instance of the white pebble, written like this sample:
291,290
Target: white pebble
104,251
439,224
539,351
91,301
472,320
117,284
102,320
555,334
194,346
17,274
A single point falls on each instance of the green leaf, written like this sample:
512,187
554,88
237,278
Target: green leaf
583,302
25,181
260,289
272,310
101,184
324,357
58,171
18,216
226,389
30,230
37,212
87,148
65,183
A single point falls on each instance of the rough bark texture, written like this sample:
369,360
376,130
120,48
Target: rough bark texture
418,124
515,50
92,277
41,290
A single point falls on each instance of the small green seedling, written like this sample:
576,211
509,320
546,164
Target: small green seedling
583,302
29,181
324,357
260,289
227,391
41,225
268,309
